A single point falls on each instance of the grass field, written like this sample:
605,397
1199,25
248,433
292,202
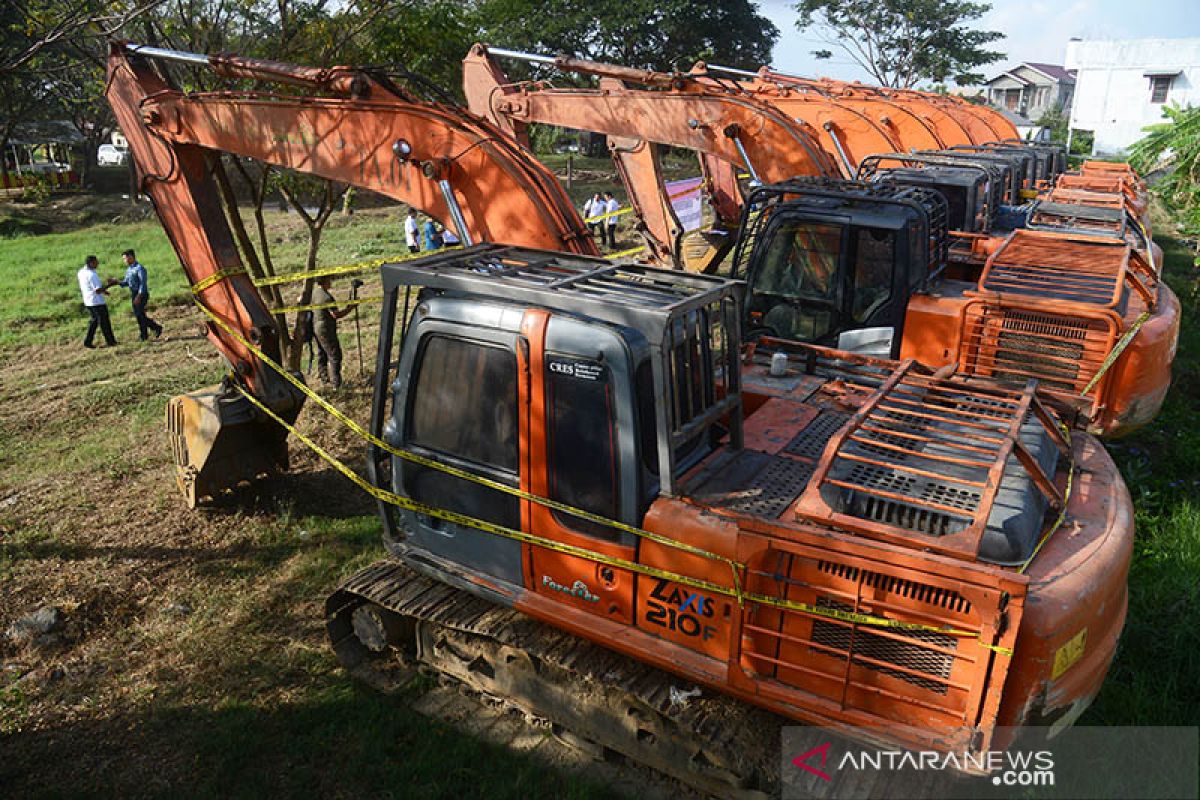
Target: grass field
193,659
1156,677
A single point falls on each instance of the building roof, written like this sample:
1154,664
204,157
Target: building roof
1052,71
1014,117
1056,71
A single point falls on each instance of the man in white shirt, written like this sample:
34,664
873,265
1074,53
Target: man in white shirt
93,291
611,223
594,207
412,236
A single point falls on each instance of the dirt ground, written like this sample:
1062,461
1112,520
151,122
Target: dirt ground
183,631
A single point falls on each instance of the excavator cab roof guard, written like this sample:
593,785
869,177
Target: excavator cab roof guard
1051,158
857,200
1029,165
1011,166
974,190
690,322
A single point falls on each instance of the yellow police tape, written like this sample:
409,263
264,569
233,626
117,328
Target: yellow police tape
344,269
370,438
633,251
215,278
348,269
1112,357
318,306
735,591
619,212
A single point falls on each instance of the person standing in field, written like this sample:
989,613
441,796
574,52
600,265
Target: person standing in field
433,237
594,207
611,205
329,347
139,295
412,232
93,292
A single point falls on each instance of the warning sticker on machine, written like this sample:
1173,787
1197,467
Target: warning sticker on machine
576,368
1066,656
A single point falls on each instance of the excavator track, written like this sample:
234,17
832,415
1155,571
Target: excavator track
594,699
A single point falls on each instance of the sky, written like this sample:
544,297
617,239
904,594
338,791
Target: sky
1035,30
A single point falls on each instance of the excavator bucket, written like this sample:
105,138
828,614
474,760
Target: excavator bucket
219,439
704,250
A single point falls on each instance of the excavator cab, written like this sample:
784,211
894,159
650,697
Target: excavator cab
636,373
965,191
834,263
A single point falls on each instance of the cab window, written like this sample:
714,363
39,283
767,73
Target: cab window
803,261
463,407
875,255
797,291
582,441
465,402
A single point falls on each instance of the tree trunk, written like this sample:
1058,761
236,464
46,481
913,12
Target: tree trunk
315,225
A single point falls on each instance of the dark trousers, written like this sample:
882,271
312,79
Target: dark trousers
611,232
99,320
329,356
145,324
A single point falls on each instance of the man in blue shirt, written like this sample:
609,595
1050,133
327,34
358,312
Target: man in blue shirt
433,237
139,293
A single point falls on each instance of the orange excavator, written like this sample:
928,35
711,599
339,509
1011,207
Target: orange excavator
911,115
1117,347
628,497
364,130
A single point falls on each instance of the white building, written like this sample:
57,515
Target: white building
1121,86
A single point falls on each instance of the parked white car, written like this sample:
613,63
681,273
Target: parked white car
111,156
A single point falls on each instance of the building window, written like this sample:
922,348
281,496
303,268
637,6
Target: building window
1159,86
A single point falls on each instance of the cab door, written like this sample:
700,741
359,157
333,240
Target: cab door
457,403
798,278
581,451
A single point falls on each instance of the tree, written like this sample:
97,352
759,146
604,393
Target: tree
649,34
901,42
30,27
1175,145
426,37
